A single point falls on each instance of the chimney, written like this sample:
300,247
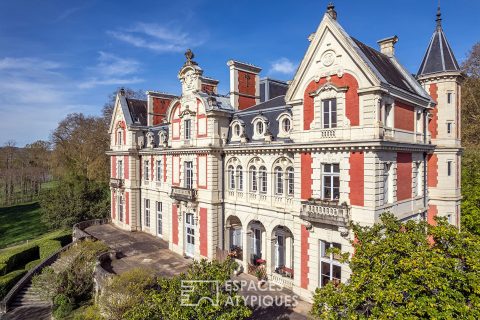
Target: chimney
387,46
244,85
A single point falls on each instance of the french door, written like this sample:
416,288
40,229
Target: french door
280,251
189,235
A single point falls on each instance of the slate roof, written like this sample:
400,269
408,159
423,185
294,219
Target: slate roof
270,109
385,67
138,111
439,56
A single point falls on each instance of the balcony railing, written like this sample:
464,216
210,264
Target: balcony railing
328,134
183,194
325,212
116,183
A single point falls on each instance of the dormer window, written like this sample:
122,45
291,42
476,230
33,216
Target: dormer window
188,129
259,128
119,137
329,113
286,125
237,130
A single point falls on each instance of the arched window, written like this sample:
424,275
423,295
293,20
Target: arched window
259,127
262,174
290,181
237,130
278,180
231,178
119,137
253,179
286,125
239,175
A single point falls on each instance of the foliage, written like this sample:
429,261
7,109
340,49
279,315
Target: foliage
75,200
18,257
32,264
75,279
124,292
20,223
8,281
88,313
470,206
163,302
62,306
407,271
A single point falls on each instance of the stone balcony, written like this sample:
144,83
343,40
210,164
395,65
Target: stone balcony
326,212
183,194
116,183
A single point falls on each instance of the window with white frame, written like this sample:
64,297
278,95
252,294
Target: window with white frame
418,179
146,170
262,177
331,181
387,183
159,206
187,128
188,170
253,179
147,212
120,169
329,113
290,181
239,176
120,207
231,177
159,170
119,137
330,266
286,125
236,238
278,173
259,128
237,130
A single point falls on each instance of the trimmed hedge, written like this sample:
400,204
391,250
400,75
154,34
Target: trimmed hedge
64,239
48,247
3,269
33,264
18,258
8,281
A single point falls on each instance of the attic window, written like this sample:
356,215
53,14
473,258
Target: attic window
237,130
119,137
259,128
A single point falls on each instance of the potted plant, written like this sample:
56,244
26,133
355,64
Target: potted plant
261,275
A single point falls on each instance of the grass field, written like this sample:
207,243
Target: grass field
19,223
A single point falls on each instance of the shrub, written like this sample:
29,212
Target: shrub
49,247
62,306
8,281
64,239
32,264
90,313
3,269
19,257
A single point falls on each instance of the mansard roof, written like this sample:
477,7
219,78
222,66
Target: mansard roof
439,56
138,111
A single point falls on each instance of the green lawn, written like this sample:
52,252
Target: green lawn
19,223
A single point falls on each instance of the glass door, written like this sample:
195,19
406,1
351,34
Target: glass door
189,235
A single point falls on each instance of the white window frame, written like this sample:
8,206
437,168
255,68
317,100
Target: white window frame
286,129
332,175
119,137
418,179
388,183
290,181
449,168
159,171
329,113
239,177
119,169
231,177
146,170
449,127
279,181
146,207
330,260
259,124
187,127
263,179
253,177
188,170
120,207
159,208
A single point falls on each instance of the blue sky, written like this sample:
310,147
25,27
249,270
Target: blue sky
58,56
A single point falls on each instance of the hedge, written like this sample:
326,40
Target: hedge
64,239
8,281
33,264
48,247
18,258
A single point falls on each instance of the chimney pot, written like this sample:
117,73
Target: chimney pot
387,46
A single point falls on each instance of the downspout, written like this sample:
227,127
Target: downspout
425,182
223,199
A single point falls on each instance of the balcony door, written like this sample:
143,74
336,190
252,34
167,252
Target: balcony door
280,251
189,235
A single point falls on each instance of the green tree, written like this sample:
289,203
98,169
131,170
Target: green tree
408,270
470,207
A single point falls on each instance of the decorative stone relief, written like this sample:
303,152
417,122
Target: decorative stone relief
328,58
150,139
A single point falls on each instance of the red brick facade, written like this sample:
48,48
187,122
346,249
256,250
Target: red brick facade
306,175
357,178
404,176
305,234
404,116
203,232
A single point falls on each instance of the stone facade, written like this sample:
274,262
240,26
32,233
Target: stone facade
276,180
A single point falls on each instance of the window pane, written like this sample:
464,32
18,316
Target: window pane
327,168
336,272
336,168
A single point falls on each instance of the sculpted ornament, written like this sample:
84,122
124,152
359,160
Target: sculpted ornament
328,58
150,139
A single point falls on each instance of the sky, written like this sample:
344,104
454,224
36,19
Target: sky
60,56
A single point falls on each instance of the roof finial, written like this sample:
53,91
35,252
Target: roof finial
331,11
439,17
189,55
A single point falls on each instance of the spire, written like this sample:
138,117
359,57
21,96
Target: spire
439,56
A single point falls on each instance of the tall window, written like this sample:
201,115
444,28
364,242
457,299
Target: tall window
237,130
188,129
159,218
290,181
259,127
120,207
418,179
146,170
331,181
388,183
449,167
330,267
119,137
330,113
147,212
253,179
188,174
231,178
449,127
159,170
120,169
449,97
278,180
388,116
286,125
262,177
239,175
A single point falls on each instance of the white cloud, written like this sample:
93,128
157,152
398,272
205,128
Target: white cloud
13,64
283,65
156,37
111,70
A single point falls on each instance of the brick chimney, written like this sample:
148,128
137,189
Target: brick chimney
387,46
244,84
